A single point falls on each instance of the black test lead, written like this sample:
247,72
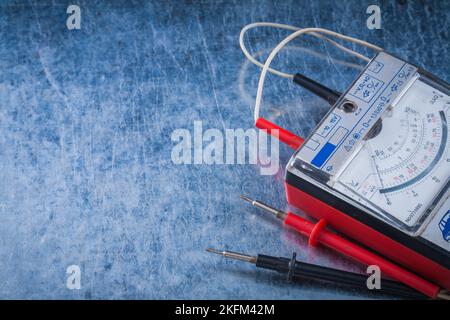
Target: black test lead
297,270
329,95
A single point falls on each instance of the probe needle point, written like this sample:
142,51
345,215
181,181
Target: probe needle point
246,198
233,255
278,213
214,251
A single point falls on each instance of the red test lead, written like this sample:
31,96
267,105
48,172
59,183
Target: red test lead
281,134
317,233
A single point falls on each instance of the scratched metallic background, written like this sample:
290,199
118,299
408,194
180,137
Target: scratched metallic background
86,116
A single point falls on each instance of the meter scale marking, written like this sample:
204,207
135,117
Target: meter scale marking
399,171
420,139
395,151
430,167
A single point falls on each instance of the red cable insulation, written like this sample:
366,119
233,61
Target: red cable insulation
347,248
281,134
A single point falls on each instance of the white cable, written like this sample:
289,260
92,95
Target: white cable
250,99
287,27
286,41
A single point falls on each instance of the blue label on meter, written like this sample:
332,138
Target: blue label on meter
323,155
444,225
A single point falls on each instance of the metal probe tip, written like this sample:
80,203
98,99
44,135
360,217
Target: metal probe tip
233,255
246,198
277,213
214,251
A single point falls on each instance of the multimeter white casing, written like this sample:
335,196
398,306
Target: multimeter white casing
377,167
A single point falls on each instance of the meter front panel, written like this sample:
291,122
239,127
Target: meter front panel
385,146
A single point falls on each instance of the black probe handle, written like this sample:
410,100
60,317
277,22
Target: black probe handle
331,96
298,270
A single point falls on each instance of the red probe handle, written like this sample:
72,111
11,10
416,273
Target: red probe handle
341,245
281,134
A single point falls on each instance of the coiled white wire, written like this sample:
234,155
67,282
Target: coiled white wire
316,32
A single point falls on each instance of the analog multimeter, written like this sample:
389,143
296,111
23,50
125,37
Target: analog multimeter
377,167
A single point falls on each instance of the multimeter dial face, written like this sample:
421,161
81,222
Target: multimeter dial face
401,168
